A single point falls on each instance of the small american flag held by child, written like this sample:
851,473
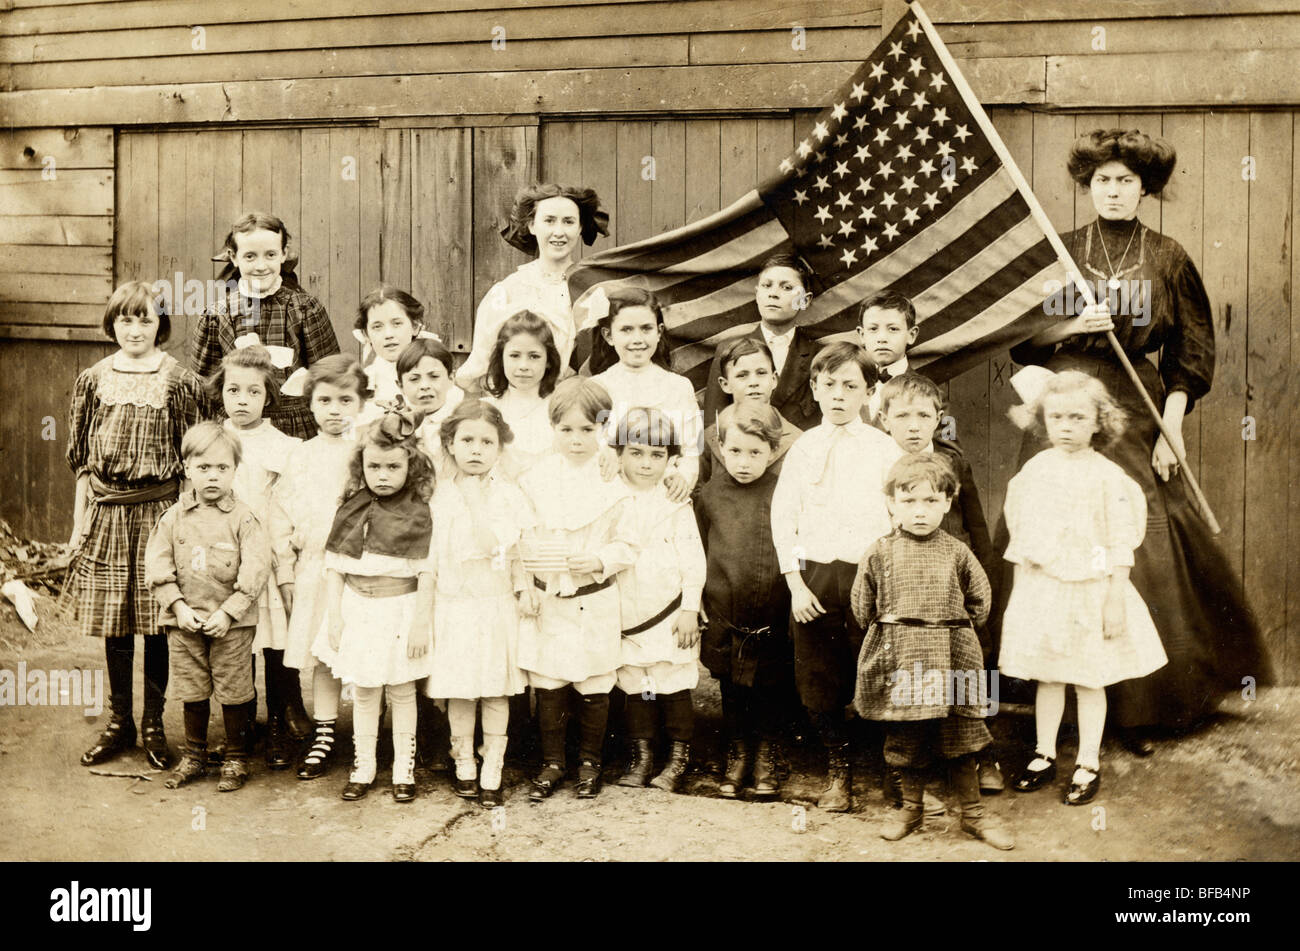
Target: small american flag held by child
541,554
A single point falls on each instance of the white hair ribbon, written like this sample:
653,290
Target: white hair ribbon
281,357
296,385
1029,382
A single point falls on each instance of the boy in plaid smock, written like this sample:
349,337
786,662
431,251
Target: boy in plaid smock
920,593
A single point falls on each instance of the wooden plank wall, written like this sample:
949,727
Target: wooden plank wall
1236,231
56,228
416,207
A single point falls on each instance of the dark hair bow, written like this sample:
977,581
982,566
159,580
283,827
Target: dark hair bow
398,423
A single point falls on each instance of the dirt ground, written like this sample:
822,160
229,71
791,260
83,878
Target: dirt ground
1230,791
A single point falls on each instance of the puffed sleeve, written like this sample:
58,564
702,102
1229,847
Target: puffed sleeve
1125,511
1013,509
316,338
493,311
186,406
1187,357
690,557
80,412
205,345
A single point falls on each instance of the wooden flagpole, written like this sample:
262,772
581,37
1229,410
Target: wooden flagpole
1072,269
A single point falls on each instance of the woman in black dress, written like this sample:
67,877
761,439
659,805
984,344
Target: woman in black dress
1149,292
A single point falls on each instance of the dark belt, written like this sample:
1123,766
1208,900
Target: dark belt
380,586
585,589
672,606
924,622
105,494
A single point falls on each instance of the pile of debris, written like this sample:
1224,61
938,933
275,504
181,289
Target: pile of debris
30,568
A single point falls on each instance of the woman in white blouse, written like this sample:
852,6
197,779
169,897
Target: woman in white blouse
546,221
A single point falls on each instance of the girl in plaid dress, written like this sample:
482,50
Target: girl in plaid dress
246,386
267,300
128,414
1074,617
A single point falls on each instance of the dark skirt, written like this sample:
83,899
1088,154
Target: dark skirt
1197,602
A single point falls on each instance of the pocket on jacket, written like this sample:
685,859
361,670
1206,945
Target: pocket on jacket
223,563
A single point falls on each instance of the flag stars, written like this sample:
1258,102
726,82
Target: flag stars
909,184
878,71
820,130
896,51
901,120
864,185
890,232
825,241
948,183
823,213
919,100
860,122
787,165
910,216
898,87
915,66
962,133
926,168
822,183
878,103
914,29
940,116
846,228
888,200
968,165
819,156
844,200
841,169
937,82
882,135
867,213
848,257
841,140
800,196
862,152
930,200
839,112
859,92
904,153
923,134
805,148
944,149
869,244
885,170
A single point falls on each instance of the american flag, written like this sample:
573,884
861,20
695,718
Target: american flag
902,184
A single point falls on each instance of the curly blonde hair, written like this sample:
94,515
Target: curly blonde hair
1111,419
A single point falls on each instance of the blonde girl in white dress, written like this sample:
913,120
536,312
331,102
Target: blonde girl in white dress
248,384
379,595
585,535
478,517
522,372
1073,617
303,504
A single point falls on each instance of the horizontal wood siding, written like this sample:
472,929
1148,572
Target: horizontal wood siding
56,227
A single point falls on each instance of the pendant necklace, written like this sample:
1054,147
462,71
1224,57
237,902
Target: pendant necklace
1114,282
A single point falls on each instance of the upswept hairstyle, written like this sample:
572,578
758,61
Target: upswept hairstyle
646,426
917,467
257,221
603,354
910,385
890,300
256,357
413,309
138,297
201,437
524,322
1151,159
417,350
591,216
761,421
835,355
391,432
733,350
581,393
468,410
339,370
1110,417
